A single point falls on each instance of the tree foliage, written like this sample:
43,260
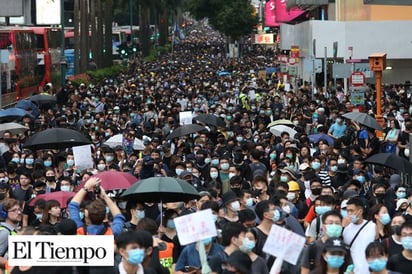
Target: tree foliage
234,18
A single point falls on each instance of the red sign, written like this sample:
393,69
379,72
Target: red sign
357,79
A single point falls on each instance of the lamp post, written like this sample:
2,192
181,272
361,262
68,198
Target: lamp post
63,62
377,63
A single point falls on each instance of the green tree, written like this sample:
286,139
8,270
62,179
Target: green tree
234,18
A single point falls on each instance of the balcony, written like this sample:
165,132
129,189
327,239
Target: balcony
306,5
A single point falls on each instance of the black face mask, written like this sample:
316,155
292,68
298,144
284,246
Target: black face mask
380,195
316,191
237,190
200,160
396,229
238,157
41,192
50,178
2,196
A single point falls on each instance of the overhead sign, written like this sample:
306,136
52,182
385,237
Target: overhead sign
266,38
357,79
11,8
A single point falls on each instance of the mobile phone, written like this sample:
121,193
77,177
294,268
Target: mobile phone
97,188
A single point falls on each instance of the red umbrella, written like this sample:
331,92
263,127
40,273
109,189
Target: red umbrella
112,180
61,196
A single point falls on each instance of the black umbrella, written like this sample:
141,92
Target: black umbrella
364,119
185,130
56,138
161,189
391,160
210,119
42,99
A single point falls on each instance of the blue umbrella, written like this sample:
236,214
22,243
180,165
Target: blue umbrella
223,73
270,70
13,114
315,138
26,105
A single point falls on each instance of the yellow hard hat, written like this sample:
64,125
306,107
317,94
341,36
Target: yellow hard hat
293,186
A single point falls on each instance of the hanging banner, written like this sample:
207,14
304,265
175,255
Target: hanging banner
283,15
270,14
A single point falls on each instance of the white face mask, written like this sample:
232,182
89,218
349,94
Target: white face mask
235,205
214,174
286,209
341,161
291,196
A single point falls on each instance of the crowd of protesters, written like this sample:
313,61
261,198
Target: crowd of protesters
355,216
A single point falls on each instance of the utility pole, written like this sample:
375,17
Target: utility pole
325,71
63,62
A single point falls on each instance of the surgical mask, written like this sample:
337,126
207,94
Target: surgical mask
122,205
135,256
225,166
335,261
385,219
320,210
291,196
315,165
276,216
214,174
140,214
171,224
334,168
286,209
401,194
361,179
396,229
407,243
377,265
65,188
284,178
214,217
39,216
29,161
341,161
101,167
354,219
207,241
47,163
290,156
235,205
15,160
81,215
247,245
338,120
208,160
21,161
215,162
108,158
272,156
179,171
231,174
189,169
344,213
249,202
333,230
239,138
70,162
296,123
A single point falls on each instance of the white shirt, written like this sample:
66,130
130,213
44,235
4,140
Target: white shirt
357,251
123,271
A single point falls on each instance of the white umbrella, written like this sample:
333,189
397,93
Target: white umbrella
117,140
277,130
14,128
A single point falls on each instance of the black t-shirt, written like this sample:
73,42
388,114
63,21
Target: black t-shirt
374,144
393,247
399,263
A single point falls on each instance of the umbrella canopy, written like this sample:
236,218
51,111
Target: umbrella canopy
223,73
56,138
42,99
210,119
11,114
113,180
185,130
277,130
117,140
61,196
28,105
364,119
315,138
391,160
280,122
14,128
161,189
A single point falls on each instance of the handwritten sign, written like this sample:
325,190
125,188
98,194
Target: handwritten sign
285,244
185,117
83,157
195,227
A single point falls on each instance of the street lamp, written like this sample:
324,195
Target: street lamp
63,62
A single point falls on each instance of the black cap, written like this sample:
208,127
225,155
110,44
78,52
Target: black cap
335,244
229,196
39,184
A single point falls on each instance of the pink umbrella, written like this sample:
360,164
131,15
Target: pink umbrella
111,180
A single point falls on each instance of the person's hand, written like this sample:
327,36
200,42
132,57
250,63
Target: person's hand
92,182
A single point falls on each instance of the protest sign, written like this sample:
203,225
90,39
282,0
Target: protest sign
83,157
185,117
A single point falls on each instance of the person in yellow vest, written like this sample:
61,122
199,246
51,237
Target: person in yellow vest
244,100
12,214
